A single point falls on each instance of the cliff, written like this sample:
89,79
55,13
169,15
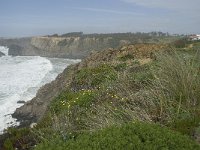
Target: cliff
35,109
63,47
75,46
71,47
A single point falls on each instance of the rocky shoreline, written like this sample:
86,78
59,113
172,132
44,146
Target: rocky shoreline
33,110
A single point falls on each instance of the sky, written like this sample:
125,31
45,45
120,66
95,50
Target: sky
20,18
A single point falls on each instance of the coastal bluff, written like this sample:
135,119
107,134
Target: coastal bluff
60,47
34,110
74,45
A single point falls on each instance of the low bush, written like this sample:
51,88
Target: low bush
22,139
137,135
120,67
126,57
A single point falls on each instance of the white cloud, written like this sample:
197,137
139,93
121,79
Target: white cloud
180,5
108,11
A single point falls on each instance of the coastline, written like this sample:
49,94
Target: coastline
58,65
33,110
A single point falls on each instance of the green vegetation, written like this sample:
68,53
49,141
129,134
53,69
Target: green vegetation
93,77
125,104
120,67
126,57
115,40
181,43
120,94
21,138
186,44
68,99
176,89
140,136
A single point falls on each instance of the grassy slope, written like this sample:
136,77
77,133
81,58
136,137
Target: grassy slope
115,87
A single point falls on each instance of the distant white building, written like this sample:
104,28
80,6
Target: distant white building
194,37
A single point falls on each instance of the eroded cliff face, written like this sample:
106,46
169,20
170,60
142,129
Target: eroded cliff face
65,47
71,47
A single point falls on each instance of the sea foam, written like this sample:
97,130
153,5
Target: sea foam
17,75
21,77
4,50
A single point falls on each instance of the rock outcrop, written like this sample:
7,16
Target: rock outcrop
33,110
2,54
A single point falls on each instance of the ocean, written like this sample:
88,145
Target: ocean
21,77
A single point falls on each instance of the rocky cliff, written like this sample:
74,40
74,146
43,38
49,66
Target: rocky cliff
72,47
65,47
75,45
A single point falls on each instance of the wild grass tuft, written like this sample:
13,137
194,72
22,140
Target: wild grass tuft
175,90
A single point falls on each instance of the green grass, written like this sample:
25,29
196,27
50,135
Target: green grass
68,99
142,74
21,138
159,91
92,77
98,105
197,44
120,67
186,125
175,91
138,136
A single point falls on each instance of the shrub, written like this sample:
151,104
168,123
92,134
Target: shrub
181,43
129,136
19,138
126,57
120,67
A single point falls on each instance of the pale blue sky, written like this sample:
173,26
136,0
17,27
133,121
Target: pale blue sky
41,17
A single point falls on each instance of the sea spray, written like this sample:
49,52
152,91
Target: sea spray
4,50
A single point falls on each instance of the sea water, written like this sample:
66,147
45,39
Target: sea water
21,77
